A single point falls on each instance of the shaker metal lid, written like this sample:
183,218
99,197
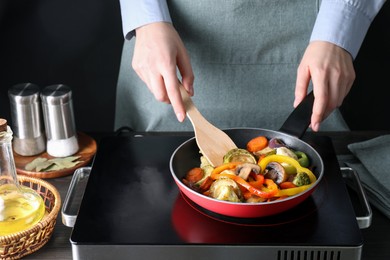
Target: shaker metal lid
56,94
23,93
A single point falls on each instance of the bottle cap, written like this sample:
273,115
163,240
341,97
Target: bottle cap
3,125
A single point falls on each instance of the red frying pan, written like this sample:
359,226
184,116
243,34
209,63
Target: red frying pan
187,156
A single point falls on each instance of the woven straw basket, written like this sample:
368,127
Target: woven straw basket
25,242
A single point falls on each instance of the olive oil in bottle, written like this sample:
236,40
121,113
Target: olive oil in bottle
20,206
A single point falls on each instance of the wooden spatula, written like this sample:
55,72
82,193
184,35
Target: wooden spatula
212,142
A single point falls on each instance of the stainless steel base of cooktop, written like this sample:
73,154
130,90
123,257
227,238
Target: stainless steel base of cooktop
132,209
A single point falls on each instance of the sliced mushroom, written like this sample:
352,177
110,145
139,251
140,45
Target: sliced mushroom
243,170
276,172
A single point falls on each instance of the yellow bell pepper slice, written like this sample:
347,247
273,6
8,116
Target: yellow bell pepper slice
292,191
285,159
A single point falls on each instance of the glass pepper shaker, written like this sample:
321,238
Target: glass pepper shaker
20,206
28,137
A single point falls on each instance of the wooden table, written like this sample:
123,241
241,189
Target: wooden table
376,237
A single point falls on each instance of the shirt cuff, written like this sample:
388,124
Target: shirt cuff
345,23
136,13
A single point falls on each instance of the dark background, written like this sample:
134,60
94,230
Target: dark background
367,106
73,42
79,43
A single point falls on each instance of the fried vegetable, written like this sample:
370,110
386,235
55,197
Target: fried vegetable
286,152
239,155
243,170
267,190
266,151
206,184
285,159
194,175
278,173
207,169
290,170
254,199
275,172
301,179
302,159
257,144
226,189
276,143
204,162
292,191
287,185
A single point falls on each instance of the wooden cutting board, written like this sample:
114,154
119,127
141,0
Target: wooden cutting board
87,149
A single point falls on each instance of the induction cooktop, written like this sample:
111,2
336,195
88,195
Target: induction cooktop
132,209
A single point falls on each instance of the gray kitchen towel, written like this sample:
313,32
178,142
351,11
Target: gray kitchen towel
374,170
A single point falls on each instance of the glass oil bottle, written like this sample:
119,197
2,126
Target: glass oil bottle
20,207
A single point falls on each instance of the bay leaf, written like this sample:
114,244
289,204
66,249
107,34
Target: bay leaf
41,164
34,163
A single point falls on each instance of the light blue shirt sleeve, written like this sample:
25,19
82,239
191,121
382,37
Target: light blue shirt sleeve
136,13
342,22
345,22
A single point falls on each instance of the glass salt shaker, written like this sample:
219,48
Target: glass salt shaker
59,120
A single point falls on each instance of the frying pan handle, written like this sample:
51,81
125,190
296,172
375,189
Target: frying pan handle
299,120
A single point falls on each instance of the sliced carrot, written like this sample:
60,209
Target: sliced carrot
287,185
194,175
206,184
257,144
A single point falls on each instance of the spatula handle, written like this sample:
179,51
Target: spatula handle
191,110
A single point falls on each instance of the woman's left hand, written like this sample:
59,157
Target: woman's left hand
330,68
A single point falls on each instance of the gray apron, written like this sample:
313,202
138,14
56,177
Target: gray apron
244,53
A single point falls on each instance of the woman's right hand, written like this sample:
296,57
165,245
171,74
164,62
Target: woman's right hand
158,53
330,68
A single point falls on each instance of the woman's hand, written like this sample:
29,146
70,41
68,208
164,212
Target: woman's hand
330,68
158,53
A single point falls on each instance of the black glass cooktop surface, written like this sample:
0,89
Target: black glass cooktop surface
131,199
